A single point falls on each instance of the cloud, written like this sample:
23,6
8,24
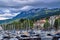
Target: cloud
7,14
21,3
10,8
3,18
26,8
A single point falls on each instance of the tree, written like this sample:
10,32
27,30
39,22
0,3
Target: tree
56,24
46,25
22,20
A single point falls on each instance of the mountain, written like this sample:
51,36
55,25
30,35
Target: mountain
37,12
34,13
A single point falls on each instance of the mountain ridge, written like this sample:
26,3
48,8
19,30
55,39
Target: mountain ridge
34,13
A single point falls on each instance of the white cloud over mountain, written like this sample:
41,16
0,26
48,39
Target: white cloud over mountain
26,8
10,8
6,14
3,18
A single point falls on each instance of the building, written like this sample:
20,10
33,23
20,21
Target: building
39,24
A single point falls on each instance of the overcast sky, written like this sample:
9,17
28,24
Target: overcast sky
10,8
